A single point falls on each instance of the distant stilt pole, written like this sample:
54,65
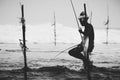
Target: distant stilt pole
107,23
54,29
54,24
24,43
107,33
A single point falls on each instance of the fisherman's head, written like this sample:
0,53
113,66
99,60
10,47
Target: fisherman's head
82,18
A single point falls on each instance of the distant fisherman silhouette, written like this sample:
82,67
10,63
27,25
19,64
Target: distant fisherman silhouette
87,33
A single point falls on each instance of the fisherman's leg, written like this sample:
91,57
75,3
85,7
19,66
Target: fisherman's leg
76,52
77,55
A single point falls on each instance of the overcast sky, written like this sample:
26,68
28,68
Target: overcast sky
41,12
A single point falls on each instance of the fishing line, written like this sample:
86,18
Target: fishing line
64,51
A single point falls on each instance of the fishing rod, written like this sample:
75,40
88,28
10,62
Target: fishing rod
78,28
76,18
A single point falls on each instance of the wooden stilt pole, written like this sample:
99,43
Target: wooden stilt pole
54,29
87,62
24,43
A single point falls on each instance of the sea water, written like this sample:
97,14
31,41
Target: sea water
44,54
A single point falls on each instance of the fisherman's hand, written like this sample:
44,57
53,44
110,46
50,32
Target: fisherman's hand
80,30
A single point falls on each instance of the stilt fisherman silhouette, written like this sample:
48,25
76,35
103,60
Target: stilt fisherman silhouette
88,33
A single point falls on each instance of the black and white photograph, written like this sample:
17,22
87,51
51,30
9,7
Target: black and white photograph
59,40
